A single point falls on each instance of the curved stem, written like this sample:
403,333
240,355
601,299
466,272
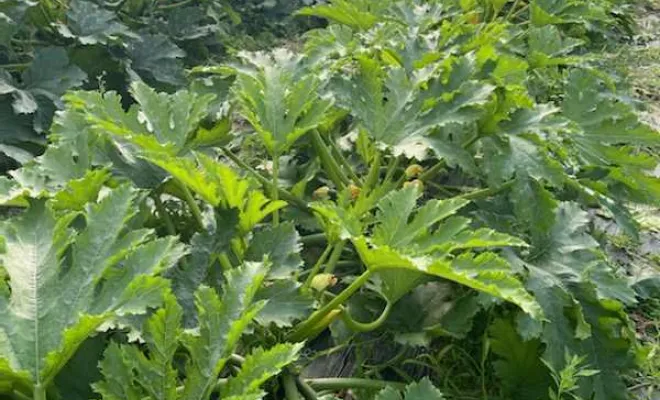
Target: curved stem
357,326
350,383
304,329
307,392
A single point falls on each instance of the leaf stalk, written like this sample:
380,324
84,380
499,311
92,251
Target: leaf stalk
306,328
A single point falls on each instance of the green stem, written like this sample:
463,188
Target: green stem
174,5
391,168
274,192
283,194
350,383
334,257
290,388
15,66
357,326
162,213
315,269
484,193
224,262
511,10
39,392
305,328
344,162
329,163
307,392
194,208
314,238
431,172
374,173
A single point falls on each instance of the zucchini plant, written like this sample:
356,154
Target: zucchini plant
415,189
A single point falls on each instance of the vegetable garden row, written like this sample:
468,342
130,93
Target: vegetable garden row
406,200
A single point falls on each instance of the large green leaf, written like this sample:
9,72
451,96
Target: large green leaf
130,373
604,122
394,108
50,74
156,58
90,24
519,365
171,118
205,249
222,322
408,245
72,280
344,12
281,244
582,299
279,96
258,367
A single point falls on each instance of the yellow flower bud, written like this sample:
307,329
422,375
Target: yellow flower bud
322,193
354,190
414,170
323,281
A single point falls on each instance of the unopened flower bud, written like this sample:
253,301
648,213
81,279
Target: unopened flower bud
354,191
323,281
414,170
322,193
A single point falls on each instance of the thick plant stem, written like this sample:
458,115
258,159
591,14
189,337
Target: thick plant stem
431,172
290,388
39,392
314,238
307,392
315,269
274,192
357,326
283,194
344,162
334,257
328,161
304,329
350,383
194,208
373,174
224,262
